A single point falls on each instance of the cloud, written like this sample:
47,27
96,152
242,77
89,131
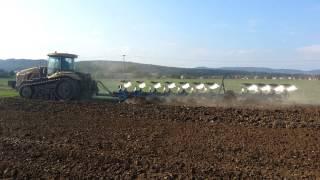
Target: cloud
310,52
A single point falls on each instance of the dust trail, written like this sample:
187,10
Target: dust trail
226,100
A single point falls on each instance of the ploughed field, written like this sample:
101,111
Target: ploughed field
123,141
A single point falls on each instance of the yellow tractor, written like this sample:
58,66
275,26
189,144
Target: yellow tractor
57,81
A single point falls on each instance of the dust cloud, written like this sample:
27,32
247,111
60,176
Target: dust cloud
225,100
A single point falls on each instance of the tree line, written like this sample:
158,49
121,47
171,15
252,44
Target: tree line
6,74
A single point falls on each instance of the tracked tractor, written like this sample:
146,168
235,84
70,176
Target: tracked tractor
57,81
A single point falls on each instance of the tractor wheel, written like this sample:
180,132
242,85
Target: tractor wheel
67,90
26,92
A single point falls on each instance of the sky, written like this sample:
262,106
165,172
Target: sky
182,33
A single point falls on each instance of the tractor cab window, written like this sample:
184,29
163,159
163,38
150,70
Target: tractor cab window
67,64
53,65
56,64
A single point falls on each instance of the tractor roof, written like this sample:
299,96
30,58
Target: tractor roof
55,54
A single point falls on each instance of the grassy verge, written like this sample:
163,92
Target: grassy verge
6,91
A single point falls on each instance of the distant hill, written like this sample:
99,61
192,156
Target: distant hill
19,64
315,72
117,69
270,70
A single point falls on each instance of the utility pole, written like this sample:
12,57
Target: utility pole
124,64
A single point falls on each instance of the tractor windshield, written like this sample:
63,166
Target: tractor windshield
67,64
56,64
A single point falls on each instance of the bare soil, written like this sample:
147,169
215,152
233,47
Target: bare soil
146,141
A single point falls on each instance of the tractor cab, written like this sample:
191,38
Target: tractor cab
57,81
61,62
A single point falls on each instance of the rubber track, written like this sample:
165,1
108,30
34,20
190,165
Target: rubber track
42,89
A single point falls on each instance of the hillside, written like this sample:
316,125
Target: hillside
116,69
270,70
19,64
